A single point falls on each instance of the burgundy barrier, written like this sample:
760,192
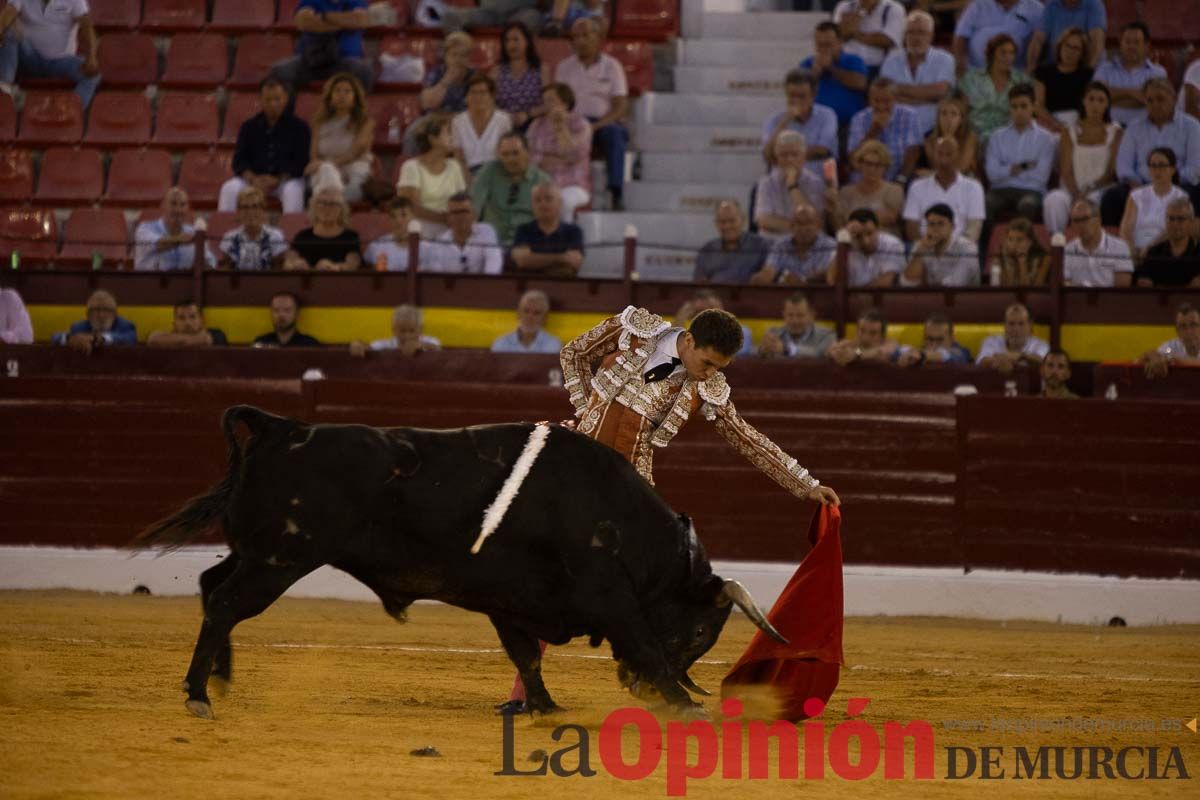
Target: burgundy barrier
1129,380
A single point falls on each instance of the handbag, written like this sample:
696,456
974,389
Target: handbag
320,52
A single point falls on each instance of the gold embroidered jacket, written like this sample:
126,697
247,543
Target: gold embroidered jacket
603,372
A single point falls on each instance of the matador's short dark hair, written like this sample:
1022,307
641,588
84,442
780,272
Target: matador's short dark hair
717,329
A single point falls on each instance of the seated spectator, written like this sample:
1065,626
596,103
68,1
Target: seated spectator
252,245
327,245
1184,349
897,127
101,328
408,336
492,14
1095,258
923,74
503,189
1162,126
841,76
1060,16
736,254
703,300
787,186
1127,73
565,13
818,124
560,144
1175,261
984,20
476,131
799,336
1022,260
986,89
942,257
803,257
952,122
445,90
870,28
433,177
285,310
546,245
1056,371
187,329
1059,86
168,243
1145,221
15,325
601,95
1087,158
331,41
530,335
937,347
1019,159
869,343
1016,345
271,154
520,75
875,258
38,41
466,245
946,185
390,251
343,131
871,161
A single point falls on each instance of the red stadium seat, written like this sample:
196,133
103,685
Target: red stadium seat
138,178
486,52
51,118
646,19
196,61
8,118
307,105
201,174
287,12
31,231
386,108
128,59
70,176
16,175
219,222
118,118
1169,27
171,16
89,230
233,16
186,119
291,224
370,225
636,58
114,15
241,107
553,51
256,54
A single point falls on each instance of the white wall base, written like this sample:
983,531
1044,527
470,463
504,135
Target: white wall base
869,590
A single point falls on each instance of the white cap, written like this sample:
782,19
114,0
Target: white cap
312,374
965,390
1058,240
631,232
414,226
843,236
201,224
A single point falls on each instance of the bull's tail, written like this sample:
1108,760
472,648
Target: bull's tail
201,513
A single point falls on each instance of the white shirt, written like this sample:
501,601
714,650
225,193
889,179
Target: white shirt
668,348
936,67
957,265
887,18
1098,268
594,86
427,343
147,257
481,254
1190,78
888,257
51,28
1152,212
478,148
965,197
397,253
1176,349
994,345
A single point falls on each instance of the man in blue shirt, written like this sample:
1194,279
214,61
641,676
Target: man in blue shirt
1126,73
271,153
530,335
841,76
331,41
984,19
546,245
1019,159
897,127
1059,15
817,123
101,328
924,74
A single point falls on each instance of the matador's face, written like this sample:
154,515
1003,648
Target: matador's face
701,363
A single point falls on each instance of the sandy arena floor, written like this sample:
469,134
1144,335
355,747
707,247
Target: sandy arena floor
329,698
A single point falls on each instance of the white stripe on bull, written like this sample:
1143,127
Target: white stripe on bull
508,492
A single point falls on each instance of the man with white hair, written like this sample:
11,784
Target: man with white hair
167,243
785,187
530,335
408,337
923,74
736,254
102,327
546,245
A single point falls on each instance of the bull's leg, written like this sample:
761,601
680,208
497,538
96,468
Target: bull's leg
210,579
246,593
526,654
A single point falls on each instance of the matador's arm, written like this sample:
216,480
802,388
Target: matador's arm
581,355
762,452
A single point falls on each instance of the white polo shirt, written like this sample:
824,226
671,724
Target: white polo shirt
994,345
1099,267
965,198
594,86
886,18
51,28
888,257
481,254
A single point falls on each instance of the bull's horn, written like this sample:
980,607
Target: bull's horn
689,684
737,594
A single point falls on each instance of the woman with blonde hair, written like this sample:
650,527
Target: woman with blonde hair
340,153
952,121
871,160
1022,259
328,244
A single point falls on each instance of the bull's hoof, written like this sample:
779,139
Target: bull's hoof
200,708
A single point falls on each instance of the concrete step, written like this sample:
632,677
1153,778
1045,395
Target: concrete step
656,108
787,26
739,52
698,139
674,262
691,79
739,170
681,197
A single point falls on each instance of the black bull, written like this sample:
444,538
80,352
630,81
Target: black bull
587,548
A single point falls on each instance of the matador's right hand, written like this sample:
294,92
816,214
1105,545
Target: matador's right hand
823,494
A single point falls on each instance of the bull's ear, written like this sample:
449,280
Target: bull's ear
405,458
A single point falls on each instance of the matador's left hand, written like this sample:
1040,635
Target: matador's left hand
824,494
